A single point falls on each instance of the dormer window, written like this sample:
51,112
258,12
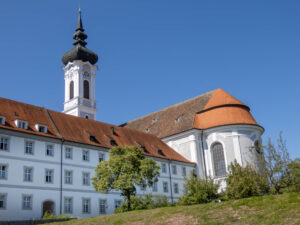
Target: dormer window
41,128
2,120
113,142
21,124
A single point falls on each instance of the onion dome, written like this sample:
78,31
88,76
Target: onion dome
80,52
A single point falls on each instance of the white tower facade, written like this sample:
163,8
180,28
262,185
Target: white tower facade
80,89
80,77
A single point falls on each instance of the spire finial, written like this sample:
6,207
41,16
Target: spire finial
79,23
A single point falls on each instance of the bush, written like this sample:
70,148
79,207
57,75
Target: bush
147,202
294,176
199,191
245,182
50,215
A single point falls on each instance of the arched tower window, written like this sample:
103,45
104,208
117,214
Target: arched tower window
71,90
86,89
218,159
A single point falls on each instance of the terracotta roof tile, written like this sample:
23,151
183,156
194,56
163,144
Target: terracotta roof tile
172,120
13,110
80,130
185,115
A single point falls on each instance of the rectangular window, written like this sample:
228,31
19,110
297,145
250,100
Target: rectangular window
2,201
176,189
49,150
101,157
68,205
68,153
118,203
86,207
183,171
29,147
165,187
2,120
28,174
154,187
102,206
3,143
85,155
3,172
68,177
27,202
163,168
86,178
21,124
174,169
49,176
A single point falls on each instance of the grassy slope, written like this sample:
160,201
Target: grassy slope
280,209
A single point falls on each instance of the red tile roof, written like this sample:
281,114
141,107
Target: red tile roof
80,130
212,109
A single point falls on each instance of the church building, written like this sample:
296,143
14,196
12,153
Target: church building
47,158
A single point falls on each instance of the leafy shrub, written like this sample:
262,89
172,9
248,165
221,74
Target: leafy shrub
245,182
50,215
147,202
294,176
199,191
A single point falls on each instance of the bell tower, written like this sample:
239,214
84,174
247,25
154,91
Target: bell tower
80,76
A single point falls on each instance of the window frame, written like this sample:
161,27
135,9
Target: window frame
71,152
52,150
89,206
71,205
103,156
165,187
5,173
24,173
87,157
52,176
2,120
116,200
213,161
70,177
21,122
164,168
83,178
30,202
3,144
176,188
104,206
183,171
174,169
25,147
4,201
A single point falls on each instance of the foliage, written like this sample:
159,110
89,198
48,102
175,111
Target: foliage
198,191
146,202
277,160
126,168
50,215
294,175
245,182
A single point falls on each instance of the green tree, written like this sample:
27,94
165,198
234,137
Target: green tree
125,169
245,182
277,160
294,175
198,191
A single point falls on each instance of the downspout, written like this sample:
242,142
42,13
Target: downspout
170,181
203,155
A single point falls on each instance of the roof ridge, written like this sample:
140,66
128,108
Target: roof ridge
180,103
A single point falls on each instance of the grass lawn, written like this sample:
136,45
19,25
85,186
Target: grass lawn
274,209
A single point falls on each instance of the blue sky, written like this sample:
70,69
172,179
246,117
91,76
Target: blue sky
157,53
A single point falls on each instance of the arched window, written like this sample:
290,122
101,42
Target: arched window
71,90
258,147
218,159
86,89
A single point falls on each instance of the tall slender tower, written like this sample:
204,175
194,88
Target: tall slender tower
80,76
